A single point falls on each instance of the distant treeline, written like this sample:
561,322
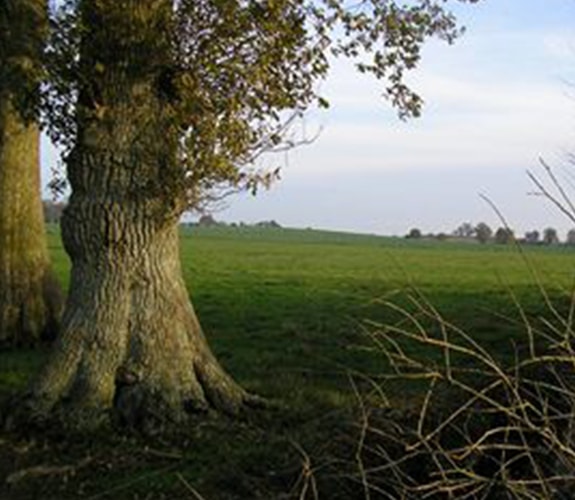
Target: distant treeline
467,232
53,212
483,233
207,220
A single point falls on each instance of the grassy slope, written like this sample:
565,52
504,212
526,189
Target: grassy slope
283,310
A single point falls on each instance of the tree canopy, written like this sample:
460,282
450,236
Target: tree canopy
233,75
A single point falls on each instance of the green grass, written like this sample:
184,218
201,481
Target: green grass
297,297
284,308
284,311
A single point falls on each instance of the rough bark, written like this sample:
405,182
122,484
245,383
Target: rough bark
131,346
30,297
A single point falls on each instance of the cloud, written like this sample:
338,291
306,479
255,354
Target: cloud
468,125
560,46
468,121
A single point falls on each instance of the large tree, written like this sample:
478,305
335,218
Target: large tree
172,100
29,295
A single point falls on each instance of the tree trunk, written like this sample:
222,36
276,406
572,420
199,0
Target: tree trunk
131,346
30,297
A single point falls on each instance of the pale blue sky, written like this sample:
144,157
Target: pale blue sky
495,101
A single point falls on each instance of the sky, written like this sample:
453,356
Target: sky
498,100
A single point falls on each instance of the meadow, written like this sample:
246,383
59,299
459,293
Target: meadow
288,312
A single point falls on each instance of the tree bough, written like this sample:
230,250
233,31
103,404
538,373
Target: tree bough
172,101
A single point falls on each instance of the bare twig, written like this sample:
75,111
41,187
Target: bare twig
189,487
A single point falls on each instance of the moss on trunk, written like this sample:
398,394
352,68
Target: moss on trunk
30,297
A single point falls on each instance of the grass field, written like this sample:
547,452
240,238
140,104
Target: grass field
285,311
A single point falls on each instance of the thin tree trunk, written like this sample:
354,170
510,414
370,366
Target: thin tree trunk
30,297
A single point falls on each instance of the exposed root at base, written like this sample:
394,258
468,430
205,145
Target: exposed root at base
134,410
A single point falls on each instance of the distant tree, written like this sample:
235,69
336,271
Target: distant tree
268,223
483,232
414,234
550,236
532,237
571,237
466,230
504,235
52,211
441,236
207,220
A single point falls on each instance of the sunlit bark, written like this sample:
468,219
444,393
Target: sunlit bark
29,296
